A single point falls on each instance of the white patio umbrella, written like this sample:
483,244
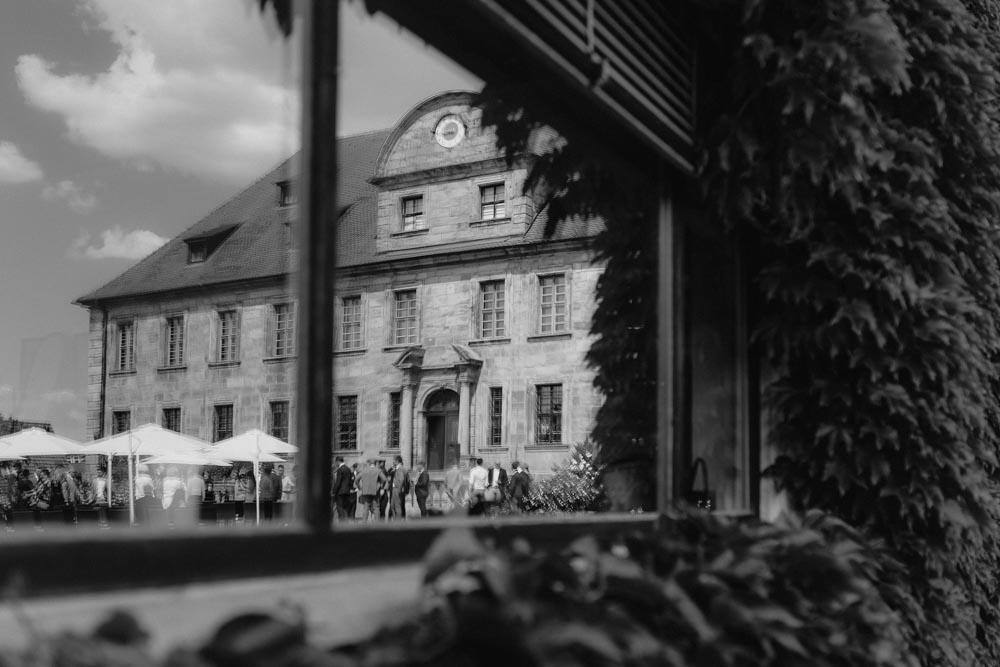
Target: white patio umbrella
253,445
148,439
37,442
202,458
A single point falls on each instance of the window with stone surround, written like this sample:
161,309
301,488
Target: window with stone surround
413,213
404,317
548,414
125,346
496,417
350,323
492,309
279,420
491,202
173,333
552,303
283,329
395,407
222,423
347,422
171,419
121,421
227,348
286,194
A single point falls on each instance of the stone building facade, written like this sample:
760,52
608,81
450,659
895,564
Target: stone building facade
461,329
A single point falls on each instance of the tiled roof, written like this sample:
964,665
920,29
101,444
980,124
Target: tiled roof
259,245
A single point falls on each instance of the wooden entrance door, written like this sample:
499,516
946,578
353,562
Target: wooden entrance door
442,429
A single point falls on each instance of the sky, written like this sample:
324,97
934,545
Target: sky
122,123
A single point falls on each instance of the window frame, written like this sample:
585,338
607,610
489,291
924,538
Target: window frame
493,203
394,319
495,414
394,421
338,441
541,279
220,335
418,218
179,355
120,326
114,420
343,337
179,557
180,417
481,310
537,415
291,341
217,434
287,196
271,428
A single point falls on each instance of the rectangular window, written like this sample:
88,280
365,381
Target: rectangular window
347,422
350,326
279,420
175,341
125,357
222,426
404,317
172,419
548,414
552,302
492,307
496,417
413,213
284,330
228,347
286,194
395,405
491,199
121,421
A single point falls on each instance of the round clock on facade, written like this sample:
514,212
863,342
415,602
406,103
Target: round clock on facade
450,131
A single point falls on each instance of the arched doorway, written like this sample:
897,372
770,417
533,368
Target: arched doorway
441,413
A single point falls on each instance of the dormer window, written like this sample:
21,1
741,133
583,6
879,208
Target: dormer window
197,252
203,243
286,195
413,213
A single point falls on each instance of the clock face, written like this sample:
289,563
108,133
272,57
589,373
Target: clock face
450,131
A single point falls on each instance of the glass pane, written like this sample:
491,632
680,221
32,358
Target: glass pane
149,155
476,327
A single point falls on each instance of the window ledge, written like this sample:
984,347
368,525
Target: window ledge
546,447
357,453
353,352
399,347
278,360
130,371
388,452
479,342
223,364
487,223
492,450
414,232
171,369
560,335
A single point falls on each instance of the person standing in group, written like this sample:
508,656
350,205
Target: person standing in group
352,505
270,491
70,492
8,487
384,490
497,480
41,495
341,489
452,483
478,481
422,488
518,488
244,490
399,489
369,481
101,497
195,489
174,495
142,480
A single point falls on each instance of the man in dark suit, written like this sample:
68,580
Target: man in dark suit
518,488
422,488
497,478
342,488
400,486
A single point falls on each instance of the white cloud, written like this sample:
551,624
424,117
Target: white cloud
196,86
14,167
116,243
74,196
